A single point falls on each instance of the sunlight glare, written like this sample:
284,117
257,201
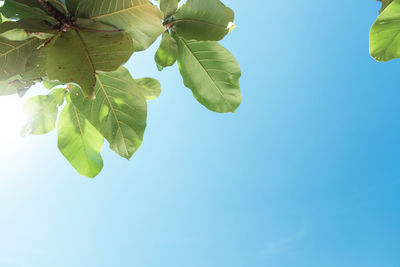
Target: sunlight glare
11,119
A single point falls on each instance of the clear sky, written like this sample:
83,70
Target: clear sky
305,174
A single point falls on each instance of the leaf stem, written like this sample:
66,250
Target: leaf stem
92,30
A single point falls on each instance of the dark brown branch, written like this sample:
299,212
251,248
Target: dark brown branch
169,25
52,11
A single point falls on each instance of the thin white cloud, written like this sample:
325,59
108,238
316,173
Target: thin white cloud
285,243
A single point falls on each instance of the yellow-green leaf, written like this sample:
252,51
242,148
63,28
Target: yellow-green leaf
167,52
151,88
42,112
79,141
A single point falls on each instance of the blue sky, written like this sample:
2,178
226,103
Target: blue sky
304,174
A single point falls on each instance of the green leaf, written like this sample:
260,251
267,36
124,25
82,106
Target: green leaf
7,88
151,88
14,55
36,65
119,111
385,4
59,5
140,18
31,3
168,7
88,51
24,29
385,34
42,112
19,10
34,72
49,84
167,52
10,86
211,72
79,141
203,20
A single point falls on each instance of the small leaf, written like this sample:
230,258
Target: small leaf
49,84
14,55
139,18
167,52
79,141
168,7
211,72
88,51
151,88
203,20
42,112
119,111
384,35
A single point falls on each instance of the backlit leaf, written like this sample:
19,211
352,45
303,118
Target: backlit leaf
42,112
151,88
119,111
385,34
79,141
167,52
385,4
211,72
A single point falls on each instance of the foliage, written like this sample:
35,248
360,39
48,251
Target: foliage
76,49
384,35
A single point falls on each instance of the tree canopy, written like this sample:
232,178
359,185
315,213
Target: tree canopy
77,49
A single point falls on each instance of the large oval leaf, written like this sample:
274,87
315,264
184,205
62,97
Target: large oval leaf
119,111
79,141
87,51
203,20
211,72
385,34
140,18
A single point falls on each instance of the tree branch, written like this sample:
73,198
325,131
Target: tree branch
52,11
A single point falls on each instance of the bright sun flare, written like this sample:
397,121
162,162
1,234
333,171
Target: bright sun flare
11,119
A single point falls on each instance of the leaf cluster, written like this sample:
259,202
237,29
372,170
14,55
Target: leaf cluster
77,49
